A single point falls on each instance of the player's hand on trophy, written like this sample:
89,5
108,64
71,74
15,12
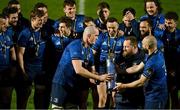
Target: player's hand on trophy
105,77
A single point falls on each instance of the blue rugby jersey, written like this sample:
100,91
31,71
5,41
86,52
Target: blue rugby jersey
88,57
65,73
78,26
155,89
58,45
132,31
156,21
16,30
172,40
34,44
5,45
100,25
102,43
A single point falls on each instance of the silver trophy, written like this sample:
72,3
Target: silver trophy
111,70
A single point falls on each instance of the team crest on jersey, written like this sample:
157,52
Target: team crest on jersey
80,25
82,52
104,43
57,43
31,39
119,44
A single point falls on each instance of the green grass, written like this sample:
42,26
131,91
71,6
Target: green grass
30,101
56,10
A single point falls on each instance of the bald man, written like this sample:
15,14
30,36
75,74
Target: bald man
70,69
153,78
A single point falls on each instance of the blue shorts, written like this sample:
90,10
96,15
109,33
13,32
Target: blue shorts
155,104
63,95
156,99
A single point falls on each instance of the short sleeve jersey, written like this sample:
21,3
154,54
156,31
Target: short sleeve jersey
156,21
104,43
5,45
65,73
34,44
155,71
77,27
58,46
